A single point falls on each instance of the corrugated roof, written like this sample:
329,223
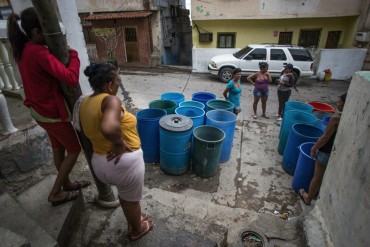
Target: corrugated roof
120,15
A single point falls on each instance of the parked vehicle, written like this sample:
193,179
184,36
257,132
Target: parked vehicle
248,59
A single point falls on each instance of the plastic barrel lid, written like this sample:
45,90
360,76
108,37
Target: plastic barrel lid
176,123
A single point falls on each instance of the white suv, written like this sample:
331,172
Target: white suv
248,59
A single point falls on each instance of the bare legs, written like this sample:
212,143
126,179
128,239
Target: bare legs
64,165
264,100
255,103
315,182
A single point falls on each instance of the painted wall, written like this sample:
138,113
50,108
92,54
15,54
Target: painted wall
84,6
343,63
264,9
202,57
344,195
262,31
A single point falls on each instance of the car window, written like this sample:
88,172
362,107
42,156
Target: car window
277,54
240,54
258,54
300,54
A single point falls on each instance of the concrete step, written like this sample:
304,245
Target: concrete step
59,221
12,239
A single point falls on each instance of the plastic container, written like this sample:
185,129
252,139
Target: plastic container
148,128
217,104
192,103
168,105
321,107
328,75
196,114
203,97
321,115
291,118
206,153
175,135
300,133
226,121
177,97
305,168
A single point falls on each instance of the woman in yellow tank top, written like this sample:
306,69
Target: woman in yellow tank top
117,158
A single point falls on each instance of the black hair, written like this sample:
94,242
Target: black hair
18,36
343,97
99,74
236,70
263,65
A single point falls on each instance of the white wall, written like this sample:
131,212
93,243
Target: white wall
344,194
202,57
343,63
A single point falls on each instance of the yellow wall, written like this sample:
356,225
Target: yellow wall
262,31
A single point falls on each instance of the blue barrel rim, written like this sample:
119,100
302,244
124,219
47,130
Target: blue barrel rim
210,127
224,112
220,100
309,125
204,93
288,113
196,108
162,100
180,95
158,110
308,106
183,103
302,152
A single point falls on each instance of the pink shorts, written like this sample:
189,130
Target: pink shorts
62,135
127,174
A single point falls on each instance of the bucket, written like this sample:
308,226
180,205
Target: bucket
321,115
321,107
192,103
196,114
206,150
168,105
305,168
291,118
175,136
177,97
300,133
148,128
226,121
203,97
217,104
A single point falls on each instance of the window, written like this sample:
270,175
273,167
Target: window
277,54
225,40
285,38
300,54
309,37
258,54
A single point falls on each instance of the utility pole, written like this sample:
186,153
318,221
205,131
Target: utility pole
57,45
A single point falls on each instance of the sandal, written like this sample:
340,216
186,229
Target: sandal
78,185
265,116
143,218
254,116
301,195
70,196
148,228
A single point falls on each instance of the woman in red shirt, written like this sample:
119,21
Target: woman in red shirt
41,74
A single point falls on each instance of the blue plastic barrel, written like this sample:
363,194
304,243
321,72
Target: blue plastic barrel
322,115
226,121
175,136
305,168
300,133
168,105
148,128
298,106
196,114
291,118
217,104
206,150
192,103
177,97
203,97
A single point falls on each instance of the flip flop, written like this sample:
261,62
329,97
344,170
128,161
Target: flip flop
254,116
149,227
70,196
301,193
78,185
265,116
143,218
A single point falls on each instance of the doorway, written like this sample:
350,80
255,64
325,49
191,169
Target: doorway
132,47
333,39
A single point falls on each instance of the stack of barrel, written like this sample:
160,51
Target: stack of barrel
303,124
179,134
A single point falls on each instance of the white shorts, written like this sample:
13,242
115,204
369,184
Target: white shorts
127,174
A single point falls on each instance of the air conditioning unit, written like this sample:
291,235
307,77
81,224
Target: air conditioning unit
363,36
205,37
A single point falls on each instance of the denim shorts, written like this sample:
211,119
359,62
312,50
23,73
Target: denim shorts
322,157
260,93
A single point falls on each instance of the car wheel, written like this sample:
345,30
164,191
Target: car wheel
226,74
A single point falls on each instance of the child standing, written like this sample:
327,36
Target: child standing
233,90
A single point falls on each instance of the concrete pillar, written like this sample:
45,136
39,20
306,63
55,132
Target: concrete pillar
75,38
344,195
8,67
6,122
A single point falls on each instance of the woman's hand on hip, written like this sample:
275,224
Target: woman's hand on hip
117,150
